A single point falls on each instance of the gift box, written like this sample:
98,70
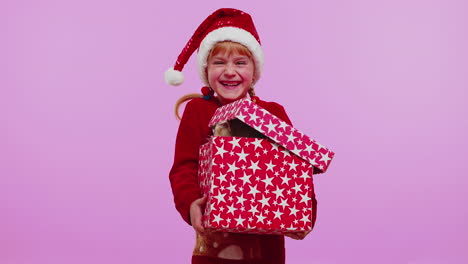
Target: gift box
259,185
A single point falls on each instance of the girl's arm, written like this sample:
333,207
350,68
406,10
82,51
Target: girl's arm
183,175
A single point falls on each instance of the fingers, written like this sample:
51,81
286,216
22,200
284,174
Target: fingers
196,213
293,236
201,201
297,235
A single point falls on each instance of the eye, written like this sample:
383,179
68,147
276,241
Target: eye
218,62
241,63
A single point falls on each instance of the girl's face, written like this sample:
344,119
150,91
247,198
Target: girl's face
230,75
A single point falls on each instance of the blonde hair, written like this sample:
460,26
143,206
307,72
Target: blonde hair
228,47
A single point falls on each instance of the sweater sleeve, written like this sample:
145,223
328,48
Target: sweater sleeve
183,175
278,110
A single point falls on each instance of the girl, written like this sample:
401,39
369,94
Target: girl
230,62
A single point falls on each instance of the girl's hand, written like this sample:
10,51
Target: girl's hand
298,235
196,212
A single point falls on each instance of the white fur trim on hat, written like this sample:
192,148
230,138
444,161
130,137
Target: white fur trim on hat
173,77
233,34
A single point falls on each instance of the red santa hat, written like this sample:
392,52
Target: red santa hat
226,24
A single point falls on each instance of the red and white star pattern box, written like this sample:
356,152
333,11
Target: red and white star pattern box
259,185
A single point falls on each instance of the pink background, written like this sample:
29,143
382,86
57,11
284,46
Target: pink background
87,130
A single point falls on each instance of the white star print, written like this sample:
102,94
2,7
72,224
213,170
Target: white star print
253,117
325,158
232,168
274,146
220,198
292,165
257,143
270,166
241,117
278,192
241,199
305,219
296,150
232,188
267,181
293,211
213,187
253,209
217,218
283,125
242,155
231,209
283,203
291,137
271,126
305,175
221,151
253,190
260,218
313,162
254,166
285,179
286,152
309,148
222,177
264,201
297,188
245,179
239,220
305,198
278,214
235,142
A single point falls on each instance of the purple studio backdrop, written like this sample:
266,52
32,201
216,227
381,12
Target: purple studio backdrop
87,126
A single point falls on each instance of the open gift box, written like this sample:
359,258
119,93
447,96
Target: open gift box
257,185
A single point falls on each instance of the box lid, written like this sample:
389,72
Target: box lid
277,130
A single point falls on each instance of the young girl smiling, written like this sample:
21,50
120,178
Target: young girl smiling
230,62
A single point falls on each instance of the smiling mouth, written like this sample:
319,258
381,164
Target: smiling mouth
231,84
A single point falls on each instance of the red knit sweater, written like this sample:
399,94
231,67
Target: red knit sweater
193,132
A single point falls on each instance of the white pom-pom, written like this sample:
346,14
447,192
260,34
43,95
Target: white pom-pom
173,77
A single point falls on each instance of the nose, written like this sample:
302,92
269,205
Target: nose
229,71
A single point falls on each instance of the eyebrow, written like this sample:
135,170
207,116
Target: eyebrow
239,57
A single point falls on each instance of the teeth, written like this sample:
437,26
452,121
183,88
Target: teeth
230,84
